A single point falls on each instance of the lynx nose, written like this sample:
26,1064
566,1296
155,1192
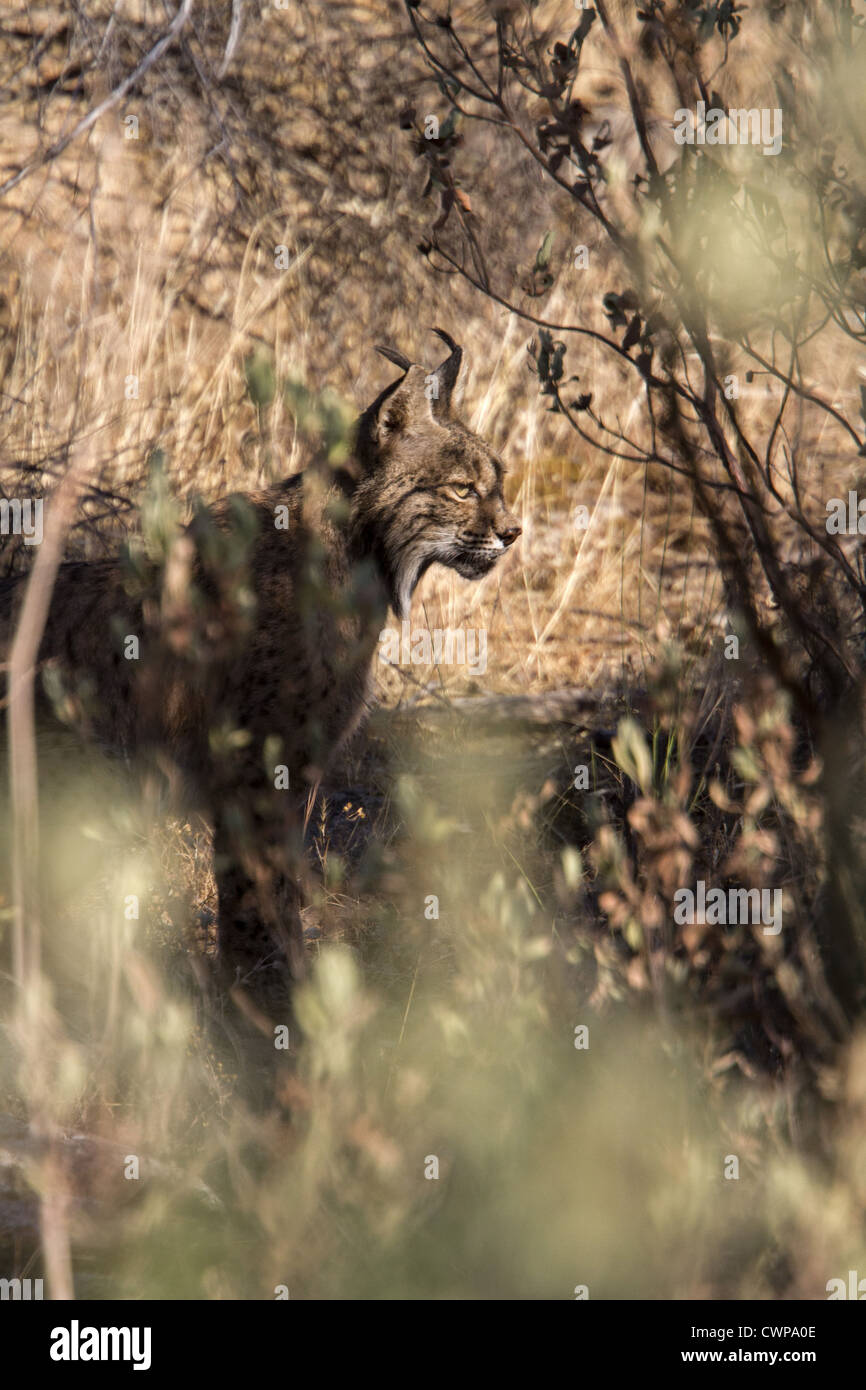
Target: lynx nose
510,533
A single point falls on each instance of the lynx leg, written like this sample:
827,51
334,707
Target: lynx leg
260,939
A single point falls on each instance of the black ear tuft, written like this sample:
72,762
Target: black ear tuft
398,358
448,371
448,340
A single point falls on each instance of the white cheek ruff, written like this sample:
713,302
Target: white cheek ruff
406,582
411,565
406,577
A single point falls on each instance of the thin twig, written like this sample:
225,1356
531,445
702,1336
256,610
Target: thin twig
109,103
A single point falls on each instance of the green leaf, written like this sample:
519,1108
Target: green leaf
449,125
572,867
260,378
542,259
632,754
633,933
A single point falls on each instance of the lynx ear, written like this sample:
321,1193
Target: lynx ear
408,405
446,374
440,383
398,358
418,398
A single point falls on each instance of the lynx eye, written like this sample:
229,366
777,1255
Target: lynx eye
462,490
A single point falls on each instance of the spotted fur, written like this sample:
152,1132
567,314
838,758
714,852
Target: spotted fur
265,621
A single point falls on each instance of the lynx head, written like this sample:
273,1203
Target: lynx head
430,490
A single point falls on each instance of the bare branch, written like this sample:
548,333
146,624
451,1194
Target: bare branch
112,100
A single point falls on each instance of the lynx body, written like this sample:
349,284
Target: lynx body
250,672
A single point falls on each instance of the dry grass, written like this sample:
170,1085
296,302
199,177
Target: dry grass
449,1036
118,260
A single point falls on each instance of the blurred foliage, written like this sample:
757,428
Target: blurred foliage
448,1129
324,417
474,911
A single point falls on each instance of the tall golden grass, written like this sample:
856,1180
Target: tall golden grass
438,1133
